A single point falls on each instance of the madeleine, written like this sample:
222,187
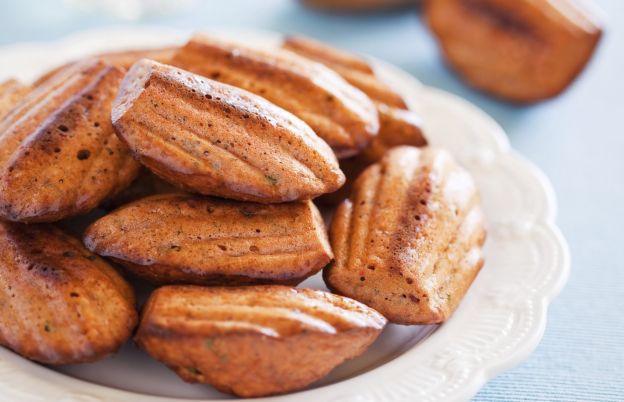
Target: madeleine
255,340
408,242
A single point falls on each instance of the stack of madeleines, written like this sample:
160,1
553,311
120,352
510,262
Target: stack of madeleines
211,154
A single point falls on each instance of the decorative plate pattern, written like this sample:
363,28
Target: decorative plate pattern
498,324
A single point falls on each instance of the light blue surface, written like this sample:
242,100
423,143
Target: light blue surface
577,139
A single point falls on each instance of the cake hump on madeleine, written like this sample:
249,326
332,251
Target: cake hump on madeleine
338,112
178,238
60,304
408,242
256,340
59,155
216,139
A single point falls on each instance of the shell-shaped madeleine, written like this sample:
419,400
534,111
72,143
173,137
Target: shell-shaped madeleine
216,139
409,240
11,91
59,304
59,155
255,340
339,113
178,238
523,51
352,68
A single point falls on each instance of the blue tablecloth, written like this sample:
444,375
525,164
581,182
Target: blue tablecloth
577,139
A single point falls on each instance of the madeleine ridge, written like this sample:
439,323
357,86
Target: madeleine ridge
178,238
339,113
409,241
11,91
60,304
215,139
59,155
256,340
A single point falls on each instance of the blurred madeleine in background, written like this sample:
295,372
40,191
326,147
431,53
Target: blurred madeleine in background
522,51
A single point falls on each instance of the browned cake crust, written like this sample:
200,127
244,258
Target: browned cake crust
398,127
59,304
177,238
256,340
339,113
123,59
409,240
11,91
216,139
520,50
352,68
59,156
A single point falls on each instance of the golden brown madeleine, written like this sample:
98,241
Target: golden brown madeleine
339,113
122,59
520,50
352,68
59,304
409,240
59,156
11,91
178,238
216,139
255,340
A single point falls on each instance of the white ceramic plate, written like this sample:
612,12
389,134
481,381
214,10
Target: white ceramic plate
499,323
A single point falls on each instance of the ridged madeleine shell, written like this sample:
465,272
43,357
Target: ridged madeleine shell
59,304
59,156
339,113
216,139
11,91
256,340
177,238
409,240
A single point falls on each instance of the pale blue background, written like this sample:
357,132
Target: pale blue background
577,139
